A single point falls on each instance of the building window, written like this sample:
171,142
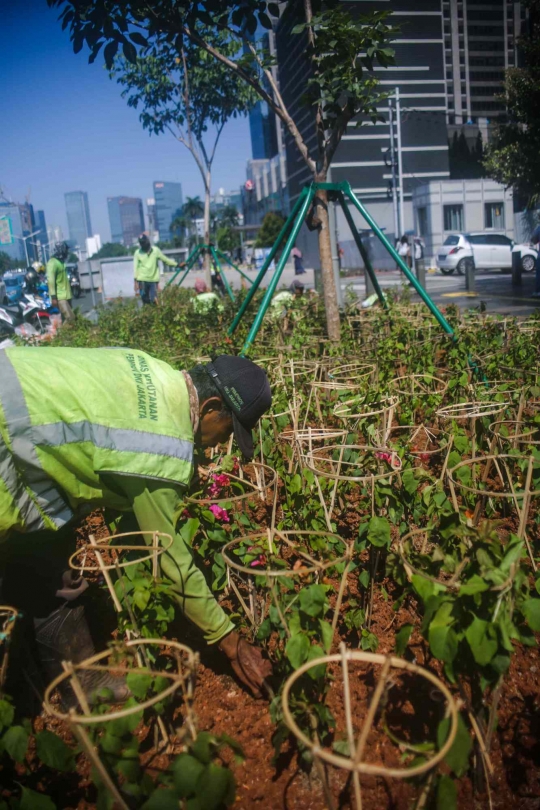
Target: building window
453,217
422,221
494,215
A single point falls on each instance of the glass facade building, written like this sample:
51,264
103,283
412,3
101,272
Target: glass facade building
126,218
168,202
78,217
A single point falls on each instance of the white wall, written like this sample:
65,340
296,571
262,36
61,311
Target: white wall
472,194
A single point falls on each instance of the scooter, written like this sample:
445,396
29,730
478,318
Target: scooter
28,311
75,283
11,324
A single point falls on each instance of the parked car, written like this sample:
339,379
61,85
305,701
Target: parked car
14,286
486,251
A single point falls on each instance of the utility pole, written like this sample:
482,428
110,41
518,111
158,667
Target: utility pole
397,224
400,162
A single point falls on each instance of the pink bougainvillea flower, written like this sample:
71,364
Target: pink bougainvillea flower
219,513
186,514
384,456
220,481
259,561
423,456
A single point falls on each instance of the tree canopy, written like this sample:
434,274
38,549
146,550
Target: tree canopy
270,227
111,250
513,155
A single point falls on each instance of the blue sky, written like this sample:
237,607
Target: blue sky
64,127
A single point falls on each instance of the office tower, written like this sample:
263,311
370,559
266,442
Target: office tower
363,156
41,238
153,231
93,245
480,43
168,202
126,219
78,217
11,231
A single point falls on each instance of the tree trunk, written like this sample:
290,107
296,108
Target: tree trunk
327,267
207,188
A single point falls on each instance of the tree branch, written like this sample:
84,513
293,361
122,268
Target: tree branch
259,89
322,162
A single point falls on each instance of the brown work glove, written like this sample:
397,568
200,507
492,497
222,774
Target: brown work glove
247,662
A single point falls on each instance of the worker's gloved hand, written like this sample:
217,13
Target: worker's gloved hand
136,287
54,301
247,662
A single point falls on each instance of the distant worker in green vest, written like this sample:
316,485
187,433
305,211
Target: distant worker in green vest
146,269
58,281
205,301
112,428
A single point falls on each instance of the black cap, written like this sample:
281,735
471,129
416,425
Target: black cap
245,389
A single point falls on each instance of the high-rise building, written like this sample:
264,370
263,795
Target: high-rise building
168,201
480,43
78,217
11,231
41,239
153,230
126,218
362,158
93,245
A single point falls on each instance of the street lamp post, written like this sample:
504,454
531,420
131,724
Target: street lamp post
23,239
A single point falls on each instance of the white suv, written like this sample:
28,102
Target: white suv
486,251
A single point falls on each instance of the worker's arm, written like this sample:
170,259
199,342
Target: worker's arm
154,504
51,277
165,259
135,268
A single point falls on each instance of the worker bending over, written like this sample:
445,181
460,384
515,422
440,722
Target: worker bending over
112,428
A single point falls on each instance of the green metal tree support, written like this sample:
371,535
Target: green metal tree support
339,192
215,255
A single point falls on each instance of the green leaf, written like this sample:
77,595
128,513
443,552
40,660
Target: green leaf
327,635
15,742
473,585
139,683
378,532
402,638
7,713
457,757
312,600
482,640
189,529
319,671
130,768
443,643
446,794
161,799
410,482
297,650
203,747
186,772
215,787
111,743
141,598
424,587
531,611
31,800
54,752
364,578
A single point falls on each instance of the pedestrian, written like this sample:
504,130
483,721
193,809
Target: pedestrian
58,281
418,248
146,269
298,263
404,250
112,428
535,240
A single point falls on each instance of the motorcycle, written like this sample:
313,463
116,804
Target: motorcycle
75,282
10,324
28,312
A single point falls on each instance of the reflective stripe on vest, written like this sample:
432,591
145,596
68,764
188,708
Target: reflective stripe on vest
32,517
132,441
20,430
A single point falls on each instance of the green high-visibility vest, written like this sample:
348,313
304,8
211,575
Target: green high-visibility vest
71,417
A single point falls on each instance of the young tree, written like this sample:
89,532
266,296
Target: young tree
190,94
341,50
269,231
110,250
513,155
